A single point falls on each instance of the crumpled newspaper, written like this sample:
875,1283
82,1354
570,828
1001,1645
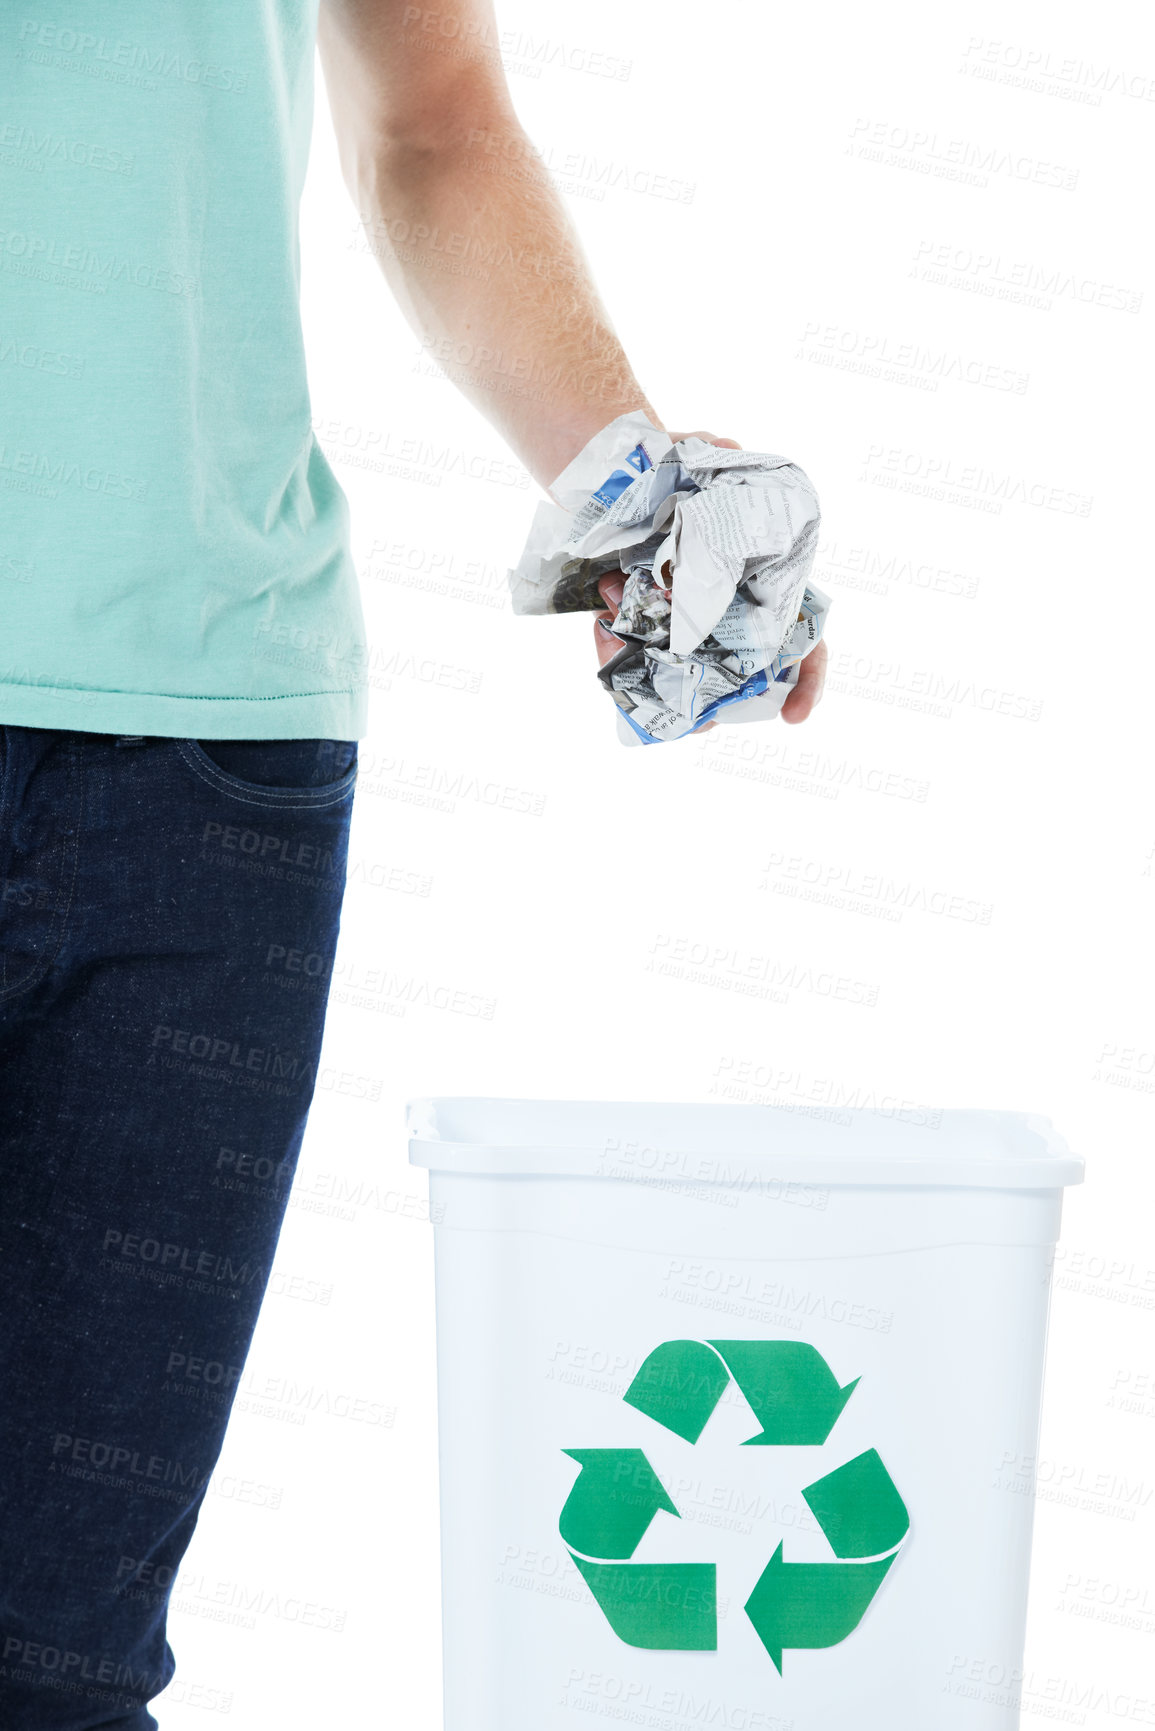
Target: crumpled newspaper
716,546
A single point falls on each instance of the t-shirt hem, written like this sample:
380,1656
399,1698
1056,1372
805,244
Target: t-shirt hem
307,715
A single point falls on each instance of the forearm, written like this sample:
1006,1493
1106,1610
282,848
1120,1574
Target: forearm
487,267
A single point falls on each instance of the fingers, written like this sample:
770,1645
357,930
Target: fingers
808,691
606,644
611,588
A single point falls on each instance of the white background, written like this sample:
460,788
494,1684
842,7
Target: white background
962,833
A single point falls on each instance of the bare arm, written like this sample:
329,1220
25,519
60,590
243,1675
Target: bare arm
471,234
475,242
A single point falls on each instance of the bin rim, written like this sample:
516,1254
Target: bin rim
447,1134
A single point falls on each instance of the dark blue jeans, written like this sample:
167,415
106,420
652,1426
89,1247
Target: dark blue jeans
169,910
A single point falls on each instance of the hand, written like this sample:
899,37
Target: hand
811,674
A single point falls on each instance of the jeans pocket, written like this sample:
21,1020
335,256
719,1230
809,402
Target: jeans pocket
276,772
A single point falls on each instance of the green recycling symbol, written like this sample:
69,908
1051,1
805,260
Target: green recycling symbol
796,1399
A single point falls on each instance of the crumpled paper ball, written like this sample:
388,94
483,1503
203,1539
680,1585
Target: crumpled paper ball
716,546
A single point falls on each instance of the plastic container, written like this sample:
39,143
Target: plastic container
738,1411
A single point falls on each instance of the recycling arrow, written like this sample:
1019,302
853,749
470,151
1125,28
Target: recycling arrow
795,1395
664,1605
811,1604
820,1604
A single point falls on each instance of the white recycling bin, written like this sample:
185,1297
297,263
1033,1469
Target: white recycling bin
738,1411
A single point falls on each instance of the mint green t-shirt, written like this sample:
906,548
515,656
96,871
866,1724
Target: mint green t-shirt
174,550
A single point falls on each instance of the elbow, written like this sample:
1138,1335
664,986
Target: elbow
384,148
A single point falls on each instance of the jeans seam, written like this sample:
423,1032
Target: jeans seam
292,796
39,971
